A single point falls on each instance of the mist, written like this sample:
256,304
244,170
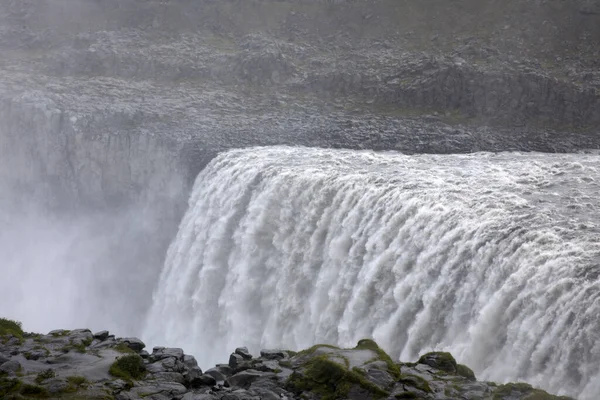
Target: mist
110,110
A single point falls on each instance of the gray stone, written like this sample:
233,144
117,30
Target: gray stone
190,361
169,377
243,351
203,380
194,396
191,374
380,378
273,354
56,385
102,335
217,374
117,384
225,369
134,344
58,332
10,367
159,353
235,360
245,378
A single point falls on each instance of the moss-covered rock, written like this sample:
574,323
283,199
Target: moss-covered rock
465,372
9,327
440,360
128,367
524,391
330,379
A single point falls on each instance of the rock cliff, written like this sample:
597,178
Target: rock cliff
79,364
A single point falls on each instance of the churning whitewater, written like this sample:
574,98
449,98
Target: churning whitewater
493,257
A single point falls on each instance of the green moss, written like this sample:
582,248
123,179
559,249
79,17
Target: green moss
330,379
314,348
128,367
291,353
465,372
46,374
9,327
34,391
524,391
76,383
8,386
368,344
123,348
415,381
285,363
439,359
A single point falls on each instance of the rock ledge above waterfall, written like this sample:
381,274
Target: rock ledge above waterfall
79,364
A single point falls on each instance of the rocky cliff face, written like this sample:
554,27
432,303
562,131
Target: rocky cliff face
122,87
114,106
79,364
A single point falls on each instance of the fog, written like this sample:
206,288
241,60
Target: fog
93,269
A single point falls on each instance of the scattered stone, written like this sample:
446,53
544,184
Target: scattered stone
439,360
215,373
160,353
235,360
245,378
101,336
134,344
273,354
190,361
243,351
10,367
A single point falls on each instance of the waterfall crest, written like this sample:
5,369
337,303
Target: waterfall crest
493,257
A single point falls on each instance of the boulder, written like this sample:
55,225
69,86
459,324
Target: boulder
215,373
134,344
192,374
159,353
190,361
101,336
243,351
245,378
273,354
440,360
169,377
10,367
56,385
235,360
203,380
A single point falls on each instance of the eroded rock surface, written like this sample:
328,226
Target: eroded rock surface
76,364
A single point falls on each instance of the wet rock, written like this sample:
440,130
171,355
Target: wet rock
160,353
243,351
134,344
273,354
245,378
195,396
190,361
102,335
217,374
235,360
439,360
10,367
191,375
169,377
203,380
56,385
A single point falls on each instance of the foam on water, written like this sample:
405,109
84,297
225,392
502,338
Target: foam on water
493,257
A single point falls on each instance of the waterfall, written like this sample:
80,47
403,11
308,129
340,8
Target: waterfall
493,257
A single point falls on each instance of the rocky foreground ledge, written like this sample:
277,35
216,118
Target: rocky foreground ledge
79,364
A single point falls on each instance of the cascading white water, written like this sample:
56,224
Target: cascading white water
494,257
